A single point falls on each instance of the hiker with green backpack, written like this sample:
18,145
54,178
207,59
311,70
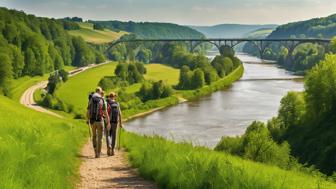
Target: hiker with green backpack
96,112
114,113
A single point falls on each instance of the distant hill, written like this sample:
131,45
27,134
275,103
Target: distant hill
259,33
91,35
152,29
230,30
316,27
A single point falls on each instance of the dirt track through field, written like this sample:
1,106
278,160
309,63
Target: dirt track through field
108,171
103,172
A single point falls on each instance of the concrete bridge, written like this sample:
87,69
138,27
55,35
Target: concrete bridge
260,44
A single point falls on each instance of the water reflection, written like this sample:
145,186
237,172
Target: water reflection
226,112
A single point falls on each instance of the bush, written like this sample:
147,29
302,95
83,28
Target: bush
155,90
132,72
256,144
107,83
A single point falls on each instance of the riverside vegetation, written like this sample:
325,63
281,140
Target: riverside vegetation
302,132
27,134
305,56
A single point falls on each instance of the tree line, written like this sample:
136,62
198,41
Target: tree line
304,129
33,46
152,29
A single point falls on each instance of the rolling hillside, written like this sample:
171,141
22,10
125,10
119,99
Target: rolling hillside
229,30
34,147
316,27
152,29
87,32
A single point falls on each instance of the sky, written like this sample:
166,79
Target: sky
185,12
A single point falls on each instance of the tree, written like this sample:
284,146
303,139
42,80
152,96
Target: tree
64,75
320,87
198,78
228,65
210,75
218,64
97,26
144,55
226,51
185,78
121,71
6,73
141,68
292,109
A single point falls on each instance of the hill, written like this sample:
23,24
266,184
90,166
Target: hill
91,35
34,148
229,30
31,46
152,29
259,33
317,27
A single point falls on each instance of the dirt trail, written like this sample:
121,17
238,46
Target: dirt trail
108,172
104,172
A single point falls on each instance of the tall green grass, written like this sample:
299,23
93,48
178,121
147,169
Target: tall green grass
180,165
37,150
23,83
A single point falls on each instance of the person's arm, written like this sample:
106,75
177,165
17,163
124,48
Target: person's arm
120,118
107,118
88,113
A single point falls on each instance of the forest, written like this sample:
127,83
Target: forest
152,30
31,45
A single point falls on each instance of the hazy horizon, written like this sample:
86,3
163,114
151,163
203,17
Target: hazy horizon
187,12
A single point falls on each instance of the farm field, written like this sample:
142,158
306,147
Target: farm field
96,36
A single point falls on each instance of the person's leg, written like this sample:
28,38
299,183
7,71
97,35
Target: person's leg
113,136
100,126
94,137
108,140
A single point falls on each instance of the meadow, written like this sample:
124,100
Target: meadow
76,90
181,165
87,32
37,150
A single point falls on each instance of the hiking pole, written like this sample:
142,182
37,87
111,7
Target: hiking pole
89,125
119,134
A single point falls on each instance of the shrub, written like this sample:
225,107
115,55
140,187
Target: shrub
155,90
256,144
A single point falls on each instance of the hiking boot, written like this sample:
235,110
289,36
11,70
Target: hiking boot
97,156
112,152
108,151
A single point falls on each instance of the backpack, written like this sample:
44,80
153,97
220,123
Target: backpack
113,110
96,108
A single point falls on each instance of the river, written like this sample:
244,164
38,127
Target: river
224,113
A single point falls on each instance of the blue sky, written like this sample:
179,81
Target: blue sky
189,12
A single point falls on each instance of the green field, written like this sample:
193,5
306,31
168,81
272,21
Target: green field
75,91
23,83
37,150
180,165
160,72
87,32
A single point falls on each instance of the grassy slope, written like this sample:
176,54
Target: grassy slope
75,91
37,150
23,83
96,36
173,165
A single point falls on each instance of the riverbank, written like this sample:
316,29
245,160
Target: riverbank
184,96
181,165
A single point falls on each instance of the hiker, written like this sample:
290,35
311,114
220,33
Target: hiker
115,118
95,111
